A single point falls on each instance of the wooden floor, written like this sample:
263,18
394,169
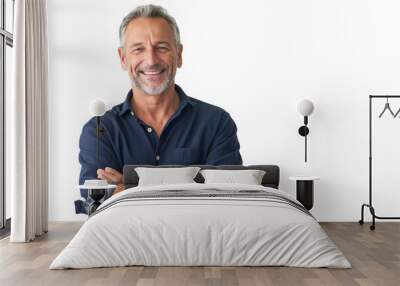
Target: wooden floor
374,255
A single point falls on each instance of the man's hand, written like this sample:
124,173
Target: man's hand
118,189
112,177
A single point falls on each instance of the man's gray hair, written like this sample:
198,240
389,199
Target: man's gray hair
149,11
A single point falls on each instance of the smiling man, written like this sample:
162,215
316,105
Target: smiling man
157,124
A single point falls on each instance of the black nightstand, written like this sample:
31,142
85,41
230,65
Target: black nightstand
305,190
96,193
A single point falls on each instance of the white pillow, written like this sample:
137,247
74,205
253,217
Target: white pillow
164,176
248,177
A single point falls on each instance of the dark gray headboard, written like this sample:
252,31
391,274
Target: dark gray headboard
270,179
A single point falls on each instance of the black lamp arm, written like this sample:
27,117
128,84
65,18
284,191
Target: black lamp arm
303,131
99,132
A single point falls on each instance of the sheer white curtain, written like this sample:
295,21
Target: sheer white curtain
28,121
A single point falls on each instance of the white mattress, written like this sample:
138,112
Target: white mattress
183,231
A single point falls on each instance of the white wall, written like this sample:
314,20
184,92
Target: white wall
256,59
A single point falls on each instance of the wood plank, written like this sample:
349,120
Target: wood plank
374,255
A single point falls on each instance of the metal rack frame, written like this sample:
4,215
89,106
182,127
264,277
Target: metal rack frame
369,205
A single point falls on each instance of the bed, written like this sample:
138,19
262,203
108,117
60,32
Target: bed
201,224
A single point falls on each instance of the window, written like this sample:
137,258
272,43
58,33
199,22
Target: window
6,44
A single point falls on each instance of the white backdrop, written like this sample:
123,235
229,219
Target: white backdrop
256,59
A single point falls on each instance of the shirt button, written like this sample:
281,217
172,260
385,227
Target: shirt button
157,158
133,114
149,129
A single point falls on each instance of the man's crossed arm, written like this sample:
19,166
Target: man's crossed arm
112,177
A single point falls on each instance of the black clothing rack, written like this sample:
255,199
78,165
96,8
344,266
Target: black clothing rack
369,205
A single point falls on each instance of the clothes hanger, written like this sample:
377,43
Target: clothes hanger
387,107
398,111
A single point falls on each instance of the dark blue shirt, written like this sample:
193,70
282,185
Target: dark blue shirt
197,133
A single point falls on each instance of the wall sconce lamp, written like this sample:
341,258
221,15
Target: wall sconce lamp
305,108
97,108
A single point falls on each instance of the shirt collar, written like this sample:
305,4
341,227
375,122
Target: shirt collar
183,101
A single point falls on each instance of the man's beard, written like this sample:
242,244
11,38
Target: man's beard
141,84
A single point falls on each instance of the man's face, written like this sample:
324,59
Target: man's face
150,54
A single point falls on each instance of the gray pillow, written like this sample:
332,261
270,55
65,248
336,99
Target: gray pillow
164,176
248,177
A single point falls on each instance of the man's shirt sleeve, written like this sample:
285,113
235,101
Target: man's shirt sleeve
88,153
225,145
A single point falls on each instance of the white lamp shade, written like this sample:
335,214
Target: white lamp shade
305,107
97,107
